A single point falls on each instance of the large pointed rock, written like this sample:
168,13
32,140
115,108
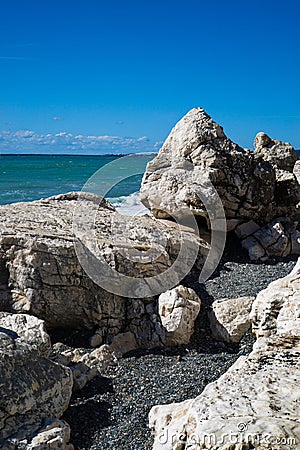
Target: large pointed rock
196,154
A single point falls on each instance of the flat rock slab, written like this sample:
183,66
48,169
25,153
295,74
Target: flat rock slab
43,276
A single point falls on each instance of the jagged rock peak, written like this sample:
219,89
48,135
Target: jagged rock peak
197,155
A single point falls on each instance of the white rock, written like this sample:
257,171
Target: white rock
55,435
178,309
276,311
281,154
279,238
230,318
296,170
197,154
44,277
85,365
27,329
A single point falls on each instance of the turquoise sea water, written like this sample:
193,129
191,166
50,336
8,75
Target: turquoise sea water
31,177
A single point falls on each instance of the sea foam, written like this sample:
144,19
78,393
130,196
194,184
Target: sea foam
130,205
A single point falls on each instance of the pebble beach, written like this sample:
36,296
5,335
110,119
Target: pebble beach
111,412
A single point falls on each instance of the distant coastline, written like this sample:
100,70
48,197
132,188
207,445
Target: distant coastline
77,154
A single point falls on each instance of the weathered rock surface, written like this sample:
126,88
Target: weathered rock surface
84,363
281,237
32,387
281,154
197,153
275,314
230,318
178,309
54,435
256,404
41,274
296,170
26,328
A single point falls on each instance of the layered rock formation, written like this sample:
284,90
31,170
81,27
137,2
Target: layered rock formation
281,155
280,237
55,435
256,404
41,274
32,387
256,185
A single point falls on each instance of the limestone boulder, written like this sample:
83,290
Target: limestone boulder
54,435
33,388
254,405
30,329
230,318
275,313
43,276
296,170
178,309
197,154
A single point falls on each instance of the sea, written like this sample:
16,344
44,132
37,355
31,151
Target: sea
31,177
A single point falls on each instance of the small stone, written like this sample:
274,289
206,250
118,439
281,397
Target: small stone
123,343
178,310
55,435
230,318
246,229
255,250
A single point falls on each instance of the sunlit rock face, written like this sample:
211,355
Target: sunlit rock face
197,153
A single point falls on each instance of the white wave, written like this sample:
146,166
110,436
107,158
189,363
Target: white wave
129,205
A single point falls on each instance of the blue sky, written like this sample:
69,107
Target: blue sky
97,76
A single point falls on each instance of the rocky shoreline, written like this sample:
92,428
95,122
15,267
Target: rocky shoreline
147,316
111,412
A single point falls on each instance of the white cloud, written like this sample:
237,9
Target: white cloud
12,58
57,118
27,141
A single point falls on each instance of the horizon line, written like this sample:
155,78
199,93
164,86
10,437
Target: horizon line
76,154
